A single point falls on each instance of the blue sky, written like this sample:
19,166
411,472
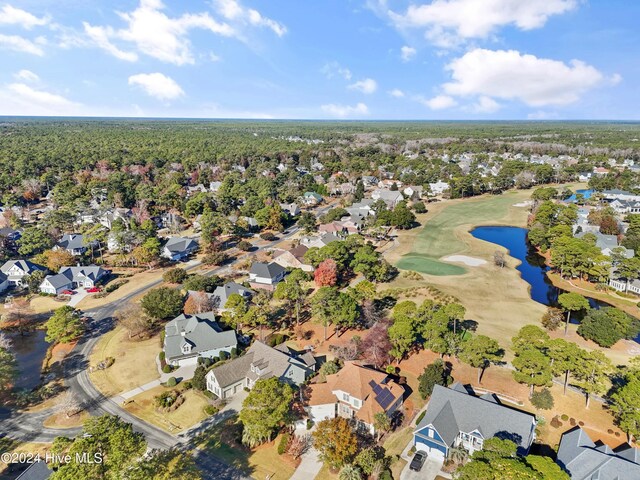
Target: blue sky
351,59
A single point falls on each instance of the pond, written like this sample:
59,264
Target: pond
30,350
586,194
532,267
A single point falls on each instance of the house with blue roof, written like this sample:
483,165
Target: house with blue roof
457,418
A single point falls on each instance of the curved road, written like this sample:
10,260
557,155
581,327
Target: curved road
28,427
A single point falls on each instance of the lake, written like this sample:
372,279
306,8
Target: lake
532,267
30,350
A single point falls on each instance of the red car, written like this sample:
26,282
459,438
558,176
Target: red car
68,292
93,290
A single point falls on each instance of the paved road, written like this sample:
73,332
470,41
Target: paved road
28,427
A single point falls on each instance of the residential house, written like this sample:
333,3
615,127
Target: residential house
195,189
369,181
335,227
179,248
388,184
260,362
16,270
74,243
10,234
607,244
319,241
189,337
293,258
222,293
584,176
389,197
356,392
438,188
214,186
600,171
37,470
110,216
292,209
266,275
311,198
4,282
362,207
413,192
584,459
457,418
70,278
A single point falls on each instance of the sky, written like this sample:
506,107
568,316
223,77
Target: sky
322,59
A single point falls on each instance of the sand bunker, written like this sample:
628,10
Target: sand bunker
526,203
470,261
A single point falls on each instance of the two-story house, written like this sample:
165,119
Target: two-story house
266,275
260,362
188,337
179,248
457,418
16,270
74,243
356,392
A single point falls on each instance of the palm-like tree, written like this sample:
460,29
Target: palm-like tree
458,455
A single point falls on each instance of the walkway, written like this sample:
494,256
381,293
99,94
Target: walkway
309,467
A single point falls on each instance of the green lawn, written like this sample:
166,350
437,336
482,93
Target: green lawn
438,237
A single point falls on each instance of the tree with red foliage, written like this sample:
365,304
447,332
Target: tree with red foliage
326,275
375,346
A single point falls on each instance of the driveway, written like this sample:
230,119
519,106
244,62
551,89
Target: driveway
430,470
81,293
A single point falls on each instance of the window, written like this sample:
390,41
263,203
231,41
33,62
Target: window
356,403
345,397
430,433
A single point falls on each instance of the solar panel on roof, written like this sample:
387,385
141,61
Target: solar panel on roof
385,398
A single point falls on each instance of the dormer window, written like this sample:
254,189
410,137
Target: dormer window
186,348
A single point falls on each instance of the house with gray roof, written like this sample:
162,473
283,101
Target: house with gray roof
266,275
222,293
188,337
179,248
607,243
320,241
584,459
260,362
457,418
292,209
74,243
70,278
4,282
16,270
390,197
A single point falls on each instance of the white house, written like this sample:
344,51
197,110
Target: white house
438,188
179,248
266,275
16,270
69,278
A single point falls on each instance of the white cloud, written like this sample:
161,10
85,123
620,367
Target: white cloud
511,75
14,16
26,76
486,105
232,10
447,23
334,69
366,86
157,85
21,99
396,92
439,102
20,44
343,111
151,32
407,53
542,115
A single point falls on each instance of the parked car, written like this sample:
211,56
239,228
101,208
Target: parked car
68,292
418,461
93,290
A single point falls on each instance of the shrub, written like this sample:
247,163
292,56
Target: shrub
234,352
162,356
268,236
114,286
572,422
420,417
215,258
419,207
555,422
187,385
109,361
581,423
282,446
309,424
244,246
224,355
172,382
175,275
166,369
211,410
542,400
564,417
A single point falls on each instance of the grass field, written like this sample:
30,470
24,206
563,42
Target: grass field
135,362
496,298
443,233
182,418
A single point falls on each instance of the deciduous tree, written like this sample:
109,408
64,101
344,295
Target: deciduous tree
335,441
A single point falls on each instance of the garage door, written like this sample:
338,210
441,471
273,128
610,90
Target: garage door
436,451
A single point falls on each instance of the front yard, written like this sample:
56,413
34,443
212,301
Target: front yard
135,362
224,442
184,417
